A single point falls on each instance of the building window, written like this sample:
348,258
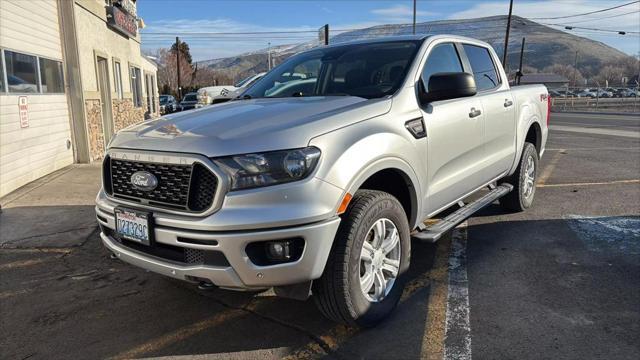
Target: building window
151,92
136,86
117,78
2,88
51,78
22,72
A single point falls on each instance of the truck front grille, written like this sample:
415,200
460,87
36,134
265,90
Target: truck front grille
189,188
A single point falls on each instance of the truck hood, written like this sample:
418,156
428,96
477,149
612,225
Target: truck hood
248,126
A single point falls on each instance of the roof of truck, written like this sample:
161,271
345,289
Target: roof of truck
418,37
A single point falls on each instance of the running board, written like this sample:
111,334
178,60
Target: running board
434,232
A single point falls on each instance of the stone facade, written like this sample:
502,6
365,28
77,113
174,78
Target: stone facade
95,129
125,114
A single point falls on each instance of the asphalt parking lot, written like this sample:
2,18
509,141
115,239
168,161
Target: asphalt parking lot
560,281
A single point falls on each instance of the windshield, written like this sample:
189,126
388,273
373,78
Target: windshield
364,70
163,99
190,97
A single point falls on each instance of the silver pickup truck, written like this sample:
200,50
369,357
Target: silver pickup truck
315,186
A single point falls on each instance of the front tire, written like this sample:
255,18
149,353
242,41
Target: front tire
523,181
365,273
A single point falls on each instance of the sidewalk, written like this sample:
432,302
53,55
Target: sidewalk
54,211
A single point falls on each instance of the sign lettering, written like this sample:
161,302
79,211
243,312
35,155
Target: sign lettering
23,107
122,21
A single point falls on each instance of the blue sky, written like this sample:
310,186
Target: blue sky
172,18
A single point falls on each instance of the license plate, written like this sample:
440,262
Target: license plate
133,225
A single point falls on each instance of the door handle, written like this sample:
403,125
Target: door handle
507,102
474,113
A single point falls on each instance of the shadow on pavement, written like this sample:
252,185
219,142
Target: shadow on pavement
561,288
63,297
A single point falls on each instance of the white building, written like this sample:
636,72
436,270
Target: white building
32,71
71,75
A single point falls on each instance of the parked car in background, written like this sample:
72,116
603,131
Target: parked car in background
603,93
218,94
566,93
628,92
168,104
595,93
587,93
189,101
317,190
555,93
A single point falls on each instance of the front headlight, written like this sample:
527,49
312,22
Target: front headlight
269,168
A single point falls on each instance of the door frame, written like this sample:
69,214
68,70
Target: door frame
104,88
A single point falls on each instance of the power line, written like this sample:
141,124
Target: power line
600,18
587,13
569,27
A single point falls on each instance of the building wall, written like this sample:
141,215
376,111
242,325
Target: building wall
31,27
95,39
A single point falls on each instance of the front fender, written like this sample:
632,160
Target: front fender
352,154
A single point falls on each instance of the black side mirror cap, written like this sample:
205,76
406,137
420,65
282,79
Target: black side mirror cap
448,85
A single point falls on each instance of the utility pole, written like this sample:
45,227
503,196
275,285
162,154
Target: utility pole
575,70
179,92
269,56
414,17
506,38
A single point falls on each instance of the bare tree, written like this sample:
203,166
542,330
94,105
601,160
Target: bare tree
610,74
168,70
568,71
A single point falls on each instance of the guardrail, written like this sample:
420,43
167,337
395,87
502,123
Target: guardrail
631,104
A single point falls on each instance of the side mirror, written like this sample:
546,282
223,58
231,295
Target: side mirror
448,85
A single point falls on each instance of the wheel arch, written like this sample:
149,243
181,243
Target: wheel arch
395,177
534,136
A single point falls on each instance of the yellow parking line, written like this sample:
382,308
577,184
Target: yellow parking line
546,173
39,250
180,334
433,341
8,294
20,264
632,181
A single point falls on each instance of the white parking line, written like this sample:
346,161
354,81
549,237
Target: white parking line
457,343
597,131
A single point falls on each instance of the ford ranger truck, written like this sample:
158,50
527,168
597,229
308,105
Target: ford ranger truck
317,190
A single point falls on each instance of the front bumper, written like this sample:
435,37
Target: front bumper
241,272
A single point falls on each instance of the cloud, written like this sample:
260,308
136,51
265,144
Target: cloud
400,13
205,44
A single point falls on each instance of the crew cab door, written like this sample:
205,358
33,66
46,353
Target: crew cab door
455,132
499,110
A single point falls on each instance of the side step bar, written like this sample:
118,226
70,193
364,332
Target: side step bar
434,232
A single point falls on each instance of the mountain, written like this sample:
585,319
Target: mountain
544,45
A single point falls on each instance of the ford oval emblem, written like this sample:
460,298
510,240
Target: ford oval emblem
144,180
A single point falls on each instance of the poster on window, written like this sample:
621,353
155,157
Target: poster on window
23,107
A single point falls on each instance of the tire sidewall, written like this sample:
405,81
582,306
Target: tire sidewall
367,312
529,150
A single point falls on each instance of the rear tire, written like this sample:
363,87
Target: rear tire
354,265
523,181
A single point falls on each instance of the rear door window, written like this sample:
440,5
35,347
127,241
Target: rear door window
484,70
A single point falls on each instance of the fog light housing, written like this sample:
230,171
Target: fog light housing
273,252
279,250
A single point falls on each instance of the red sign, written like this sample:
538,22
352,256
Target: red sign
23,107
122,21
